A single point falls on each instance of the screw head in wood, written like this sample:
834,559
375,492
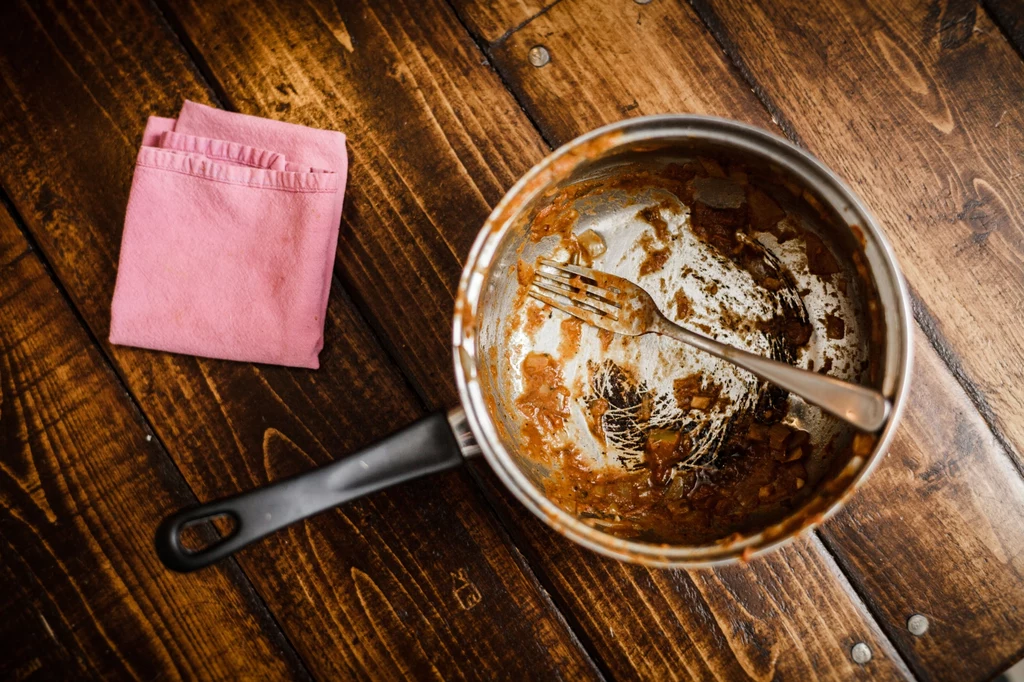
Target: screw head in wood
917,624
642,2
539,55
860,653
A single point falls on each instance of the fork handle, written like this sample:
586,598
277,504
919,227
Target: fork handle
865,408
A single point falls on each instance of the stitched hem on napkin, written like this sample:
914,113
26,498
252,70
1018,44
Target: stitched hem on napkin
235,164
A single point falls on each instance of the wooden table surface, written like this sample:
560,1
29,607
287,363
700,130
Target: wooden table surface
917,105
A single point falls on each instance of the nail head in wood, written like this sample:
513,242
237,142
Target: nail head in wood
917,624
860,653
539,55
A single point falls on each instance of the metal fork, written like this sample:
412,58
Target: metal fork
618,305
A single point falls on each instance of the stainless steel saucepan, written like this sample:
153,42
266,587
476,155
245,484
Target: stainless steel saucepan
575,421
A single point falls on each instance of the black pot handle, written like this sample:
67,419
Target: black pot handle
426,447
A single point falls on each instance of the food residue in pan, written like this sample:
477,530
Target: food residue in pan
571,329
649,439
544,402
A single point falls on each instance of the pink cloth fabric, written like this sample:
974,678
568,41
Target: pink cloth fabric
229,238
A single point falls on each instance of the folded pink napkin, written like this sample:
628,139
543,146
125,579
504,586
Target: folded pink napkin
229,238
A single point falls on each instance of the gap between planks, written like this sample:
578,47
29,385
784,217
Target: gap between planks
504,36
874,617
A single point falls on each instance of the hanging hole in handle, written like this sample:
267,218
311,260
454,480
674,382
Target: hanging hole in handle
202,534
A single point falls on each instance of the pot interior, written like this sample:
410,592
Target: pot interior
644,438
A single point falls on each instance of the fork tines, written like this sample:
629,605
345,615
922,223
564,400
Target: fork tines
573,289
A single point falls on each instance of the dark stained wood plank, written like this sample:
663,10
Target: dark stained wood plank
456,123
10,248
876,555
434,141
939,530
1009,15
611,61
927,126
81,487
414,582
491,21
787,615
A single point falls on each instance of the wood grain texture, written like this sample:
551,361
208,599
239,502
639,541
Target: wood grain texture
566,99
927,128
12,243
492,21
81,487
611,61
661,623
414,582
788,615
939,530
434,141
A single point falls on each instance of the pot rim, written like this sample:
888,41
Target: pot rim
561,163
